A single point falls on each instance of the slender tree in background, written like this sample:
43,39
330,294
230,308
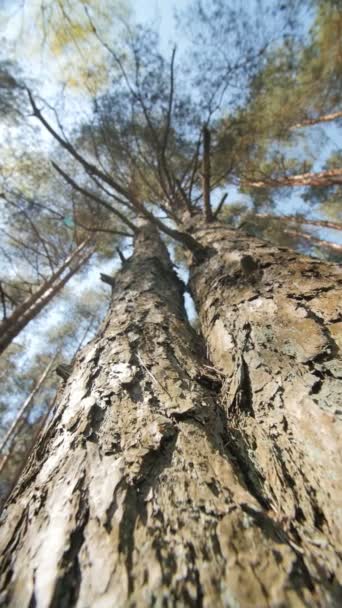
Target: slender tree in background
22,314
178,468
80,319
24,410
39,229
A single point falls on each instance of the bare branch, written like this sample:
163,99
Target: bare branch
319,119
315,240
3,302
301,220
194,164
329,177
220,205
105,230
208,214
89,167
121,255
94,197
170,104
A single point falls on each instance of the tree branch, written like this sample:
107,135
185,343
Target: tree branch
170,104
220,205
3,302
89,167
182,237
314,121
206,174
329,177
313,239
94,197
300,220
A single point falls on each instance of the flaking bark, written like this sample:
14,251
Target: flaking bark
134,495
272,322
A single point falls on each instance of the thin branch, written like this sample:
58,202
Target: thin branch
315,240
94,197
220,205
195,163
11,432
166,177
89,167
31,203
3,302
121,255
170,104
329,177
84,336
319,119
24,245
39,237
301,220
208,214
105,230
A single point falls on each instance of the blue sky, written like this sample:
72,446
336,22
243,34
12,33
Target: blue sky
161,12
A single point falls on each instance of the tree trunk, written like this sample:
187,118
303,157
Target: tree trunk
34,304
24,411
271,320
135,495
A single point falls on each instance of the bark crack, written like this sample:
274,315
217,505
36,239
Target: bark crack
331,350
152,466
68,584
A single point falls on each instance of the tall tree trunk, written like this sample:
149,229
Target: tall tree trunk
34,304
271,319
134,495
23,412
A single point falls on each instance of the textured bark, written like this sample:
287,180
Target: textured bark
272,322
25,312
135,495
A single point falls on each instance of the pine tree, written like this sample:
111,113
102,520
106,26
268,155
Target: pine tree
183,468
24,312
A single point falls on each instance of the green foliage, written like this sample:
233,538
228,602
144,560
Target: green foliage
67,36
262,139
